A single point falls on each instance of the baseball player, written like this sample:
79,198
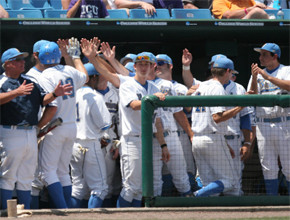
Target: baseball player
272,128
111,151
239,127
56,149
209,124
164,71
131,93
20,101
88,169
176,165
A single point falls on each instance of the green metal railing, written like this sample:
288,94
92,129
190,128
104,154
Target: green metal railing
150,103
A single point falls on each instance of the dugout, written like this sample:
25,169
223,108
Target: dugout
203,38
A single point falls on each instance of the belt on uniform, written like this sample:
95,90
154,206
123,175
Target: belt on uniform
231,137
19,127
165,134
180,132
273,120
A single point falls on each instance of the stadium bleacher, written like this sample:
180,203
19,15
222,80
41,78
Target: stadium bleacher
53,9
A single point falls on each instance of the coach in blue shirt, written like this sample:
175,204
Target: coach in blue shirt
20,100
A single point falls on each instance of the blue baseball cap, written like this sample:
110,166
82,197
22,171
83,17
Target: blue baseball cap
224,63
145,56
271,47
214,57
38,44
91,69
129,56
130,66
164,57
12,54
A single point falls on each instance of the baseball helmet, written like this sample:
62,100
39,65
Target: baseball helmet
49,53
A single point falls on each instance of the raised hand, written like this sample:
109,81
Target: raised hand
73,48
61,90
186,57
63,45
107,51
88,48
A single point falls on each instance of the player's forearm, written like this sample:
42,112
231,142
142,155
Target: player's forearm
187,78
181,118
69,60
247,135
283,84
47,115
136,105
6,97
254,84
159,134
106,71
80,66
119,67
226,115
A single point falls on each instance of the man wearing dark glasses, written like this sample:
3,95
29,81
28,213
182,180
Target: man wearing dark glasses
131,93
164,71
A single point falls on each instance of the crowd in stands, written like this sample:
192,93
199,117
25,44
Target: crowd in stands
220,9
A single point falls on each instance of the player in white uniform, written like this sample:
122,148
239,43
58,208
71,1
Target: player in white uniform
164,71
56,149
273,123
111,151
176,165
131,93
239,128
88,169
209,124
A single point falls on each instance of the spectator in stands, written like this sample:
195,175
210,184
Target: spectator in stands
270,3
3,13
87,9
196,4
234,9
168,4
65,4
130,4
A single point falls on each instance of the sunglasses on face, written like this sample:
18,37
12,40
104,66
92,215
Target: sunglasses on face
17,59
146,58
161,62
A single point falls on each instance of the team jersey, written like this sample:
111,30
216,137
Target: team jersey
33,74
202,121
234,88
92,114
168,121
129,91
65,104
111,98
21,110
265,87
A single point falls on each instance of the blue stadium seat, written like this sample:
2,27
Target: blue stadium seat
35,13
56,4
178,13
140,14
28,4
272,13
4,4
56,13
286,13
117,13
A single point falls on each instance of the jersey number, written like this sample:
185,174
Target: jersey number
70,81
